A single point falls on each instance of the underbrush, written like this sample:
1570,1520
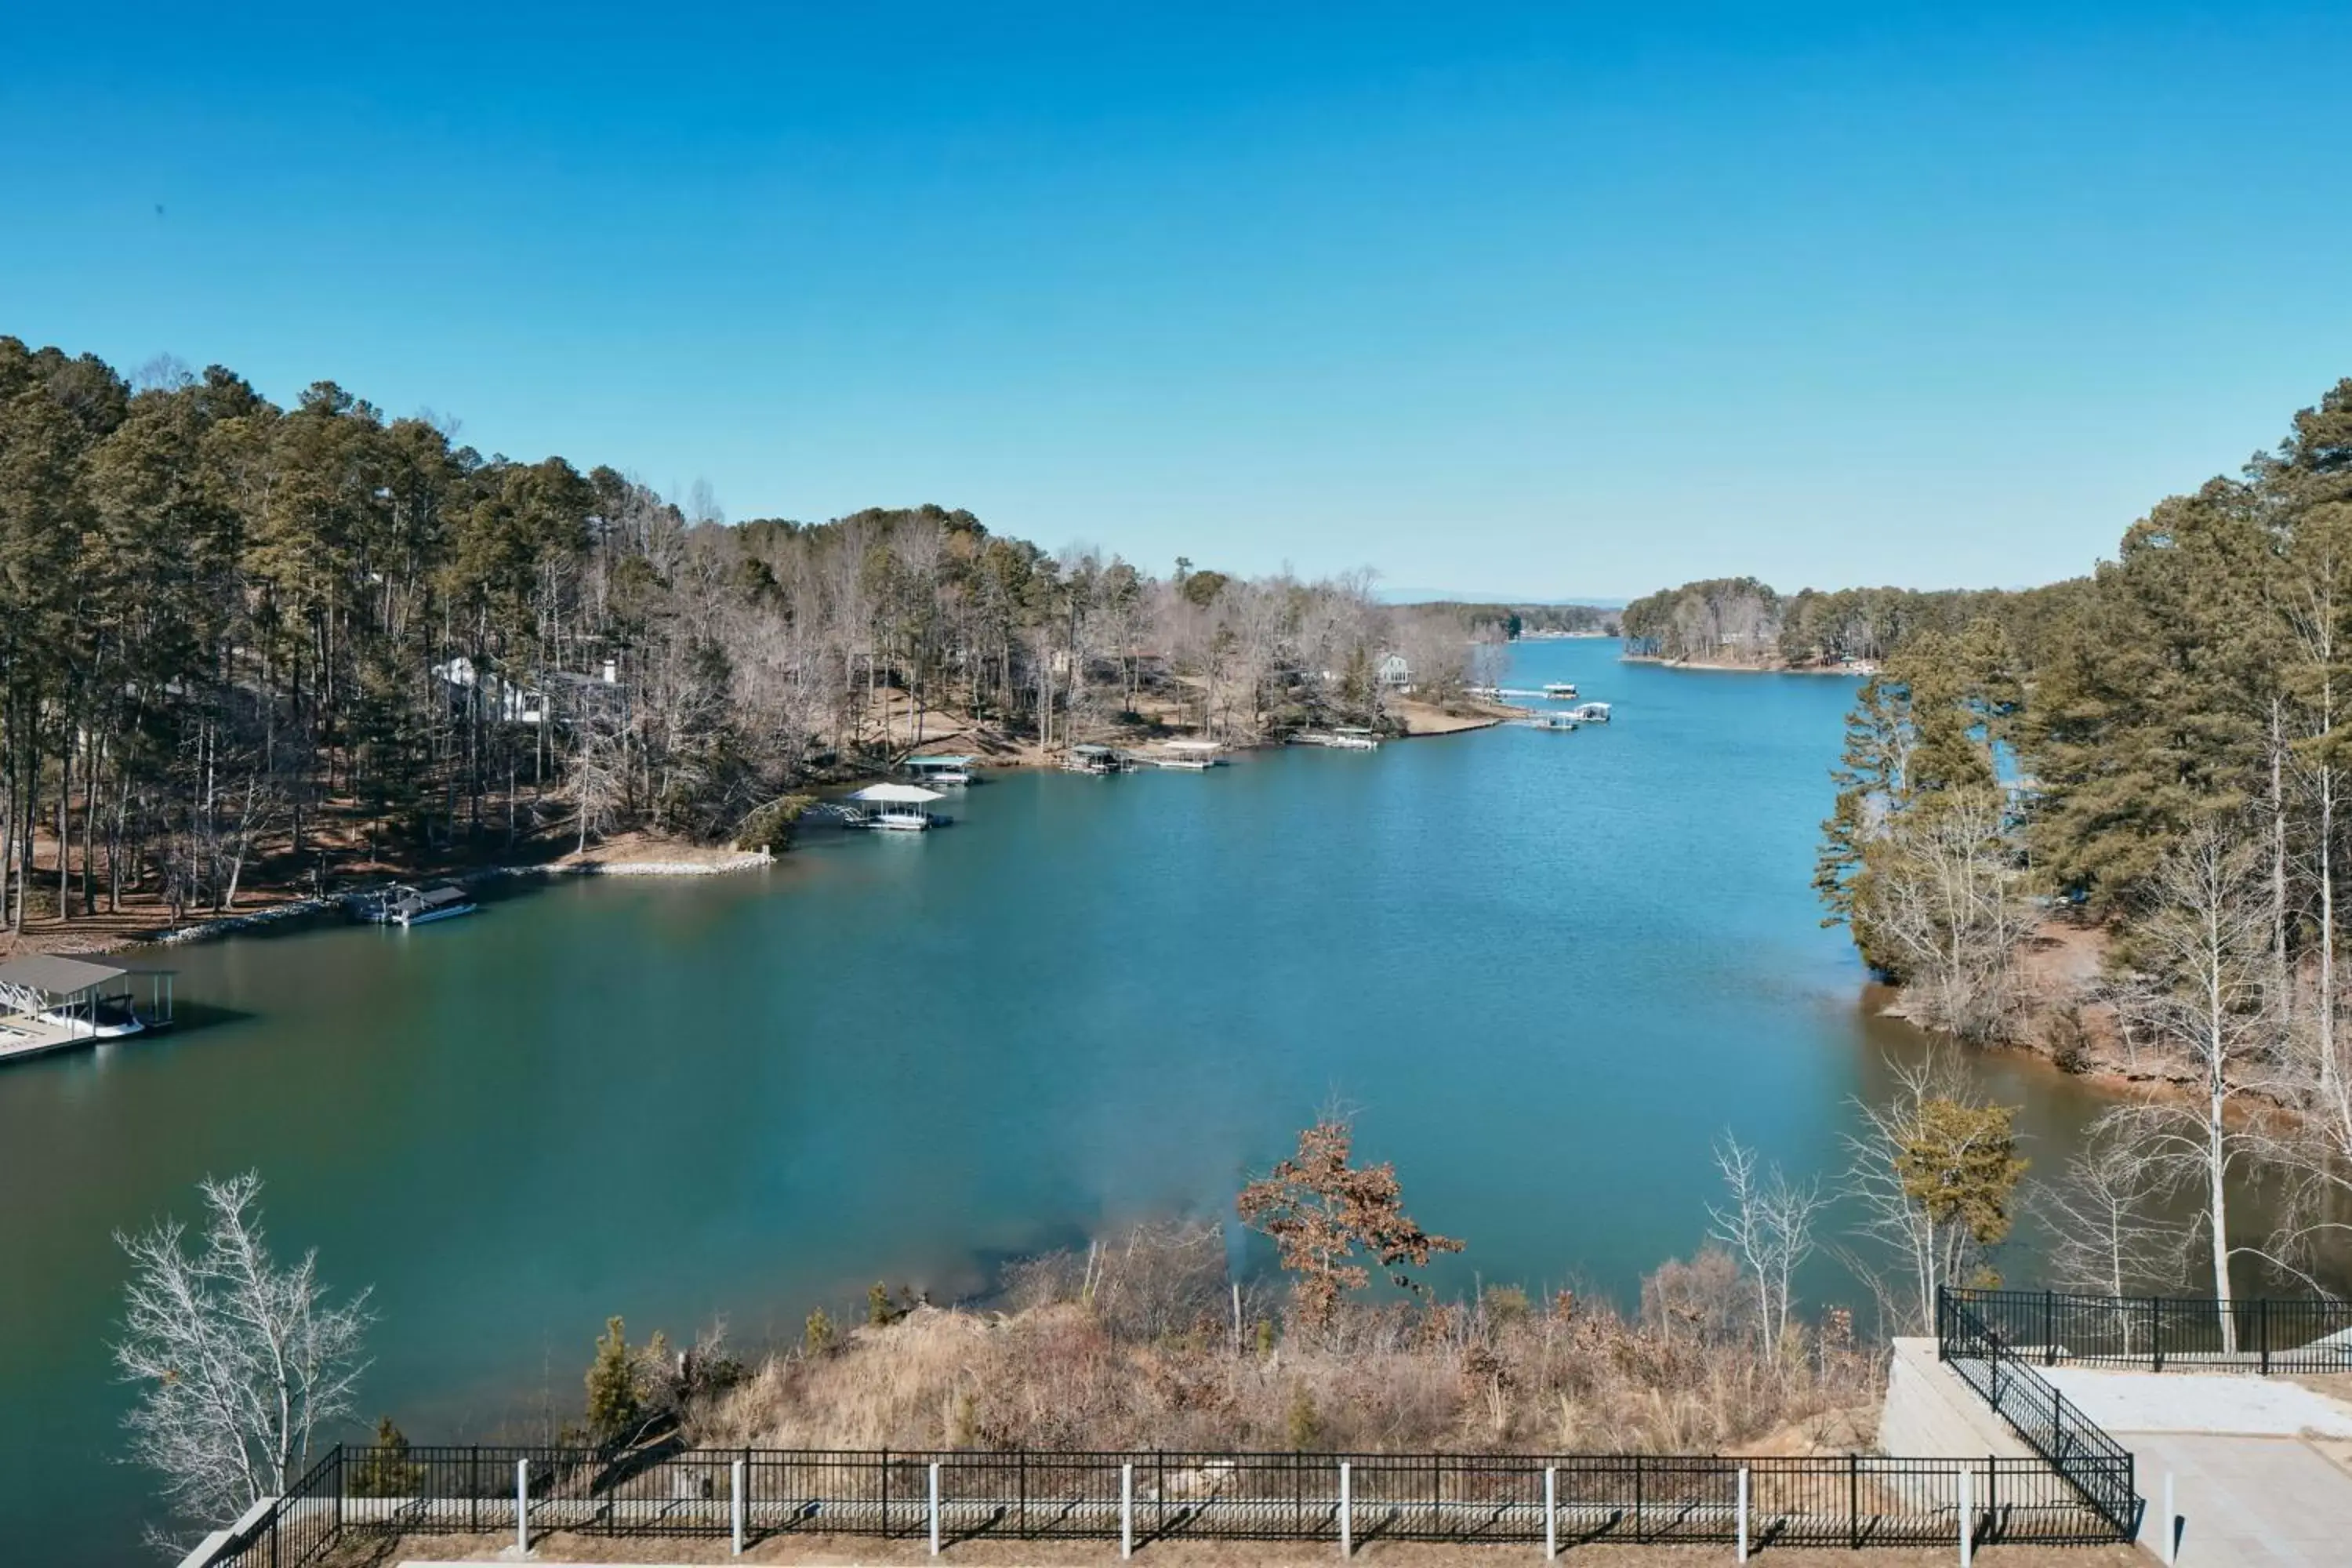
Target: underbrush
1147,1344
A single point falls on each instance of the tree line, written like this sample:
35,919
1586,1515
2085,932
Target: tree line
1742,621
2158,753
1511,621
235,635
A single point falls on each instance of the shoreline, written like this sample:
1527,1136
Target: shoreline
1728,668
636,854
683,860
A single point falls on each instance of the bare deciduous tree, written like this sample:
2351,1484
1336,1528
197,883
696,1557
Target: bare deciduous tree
2110,1238
1767,1223
600,782
2200,983
238,1361
2104,1214
1952,905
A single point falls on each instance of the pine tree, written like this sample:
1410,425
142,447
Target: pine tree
614,1402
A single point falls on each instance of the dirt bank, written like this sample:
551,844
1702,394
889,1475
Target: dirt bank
1427,719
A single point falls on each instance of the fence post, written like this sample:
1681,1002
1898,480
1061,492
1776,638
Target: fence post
935,1508
1968,1522
2171,1526
735,1503
1943,1328
2156,1330
2263,1330
1347,1514
1743,1513
522,1508
2050,1328
1551,1511
1853,1500
1638,1521
1127,1511
473,1491
886,1494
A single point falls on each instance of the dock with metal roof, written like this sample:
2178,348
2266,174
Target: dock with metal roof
51,1003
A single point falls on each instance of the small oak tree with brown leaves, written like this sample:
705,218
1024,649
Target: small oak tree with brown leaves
1323,1213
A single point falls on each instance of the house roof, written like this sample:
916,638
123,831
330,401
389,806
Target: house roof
57,976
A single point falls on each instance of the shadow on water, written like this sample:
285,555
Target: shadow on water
196,1016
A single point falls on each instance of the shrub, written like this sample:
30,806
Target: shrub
386,1471
2068,1042
1506,1304
613,1405
772,827
1302,1424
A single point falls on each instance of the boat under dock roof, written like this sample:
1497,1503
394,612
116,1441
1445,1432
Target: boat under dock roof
55,977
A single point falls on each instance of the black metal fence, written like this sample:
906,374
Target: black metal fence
2050,1423
2198,1333
1852,1500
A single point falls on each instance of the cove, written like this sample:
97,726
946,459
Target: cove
1546,970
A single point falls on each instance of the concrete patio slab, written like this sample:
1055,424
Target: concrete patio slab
2245,1500
2202,1401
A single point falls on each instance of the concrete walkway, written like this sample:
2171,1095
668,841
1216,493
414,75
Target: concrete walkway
2245,1500
2248,1485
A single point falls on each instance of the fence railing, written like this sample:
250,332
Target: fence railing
2052,1426
2195,1333
954,1496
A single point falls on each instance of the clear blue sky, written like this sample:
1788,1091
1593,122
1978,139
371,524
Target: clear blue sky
1572,300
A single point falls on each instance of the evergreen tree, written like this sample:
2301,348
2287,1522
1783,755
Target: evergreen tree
614,1404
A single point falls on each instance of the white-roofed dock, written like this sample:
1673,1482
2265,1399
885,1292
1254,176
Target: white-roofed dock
50,1002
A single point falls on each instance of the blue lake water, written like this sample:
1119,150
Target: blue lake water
1546,970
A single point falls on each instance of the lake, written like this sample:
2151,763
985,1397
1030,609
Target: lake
1546,970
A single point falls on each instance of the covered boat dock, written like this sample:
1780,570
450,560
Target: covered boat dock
940,770
894,807
48,1003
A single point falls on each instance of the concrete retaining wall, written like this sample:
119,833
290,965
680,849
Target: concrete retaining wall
1931,1413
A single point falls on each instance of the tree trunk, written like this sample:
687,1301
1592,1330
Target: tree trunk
2217,1021
65,826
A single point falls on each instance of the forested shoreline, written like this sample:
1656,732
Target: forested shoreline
2157,755
242,641
1742,622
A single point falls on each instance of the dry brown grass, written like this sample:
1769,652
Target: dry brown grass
1138,1350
